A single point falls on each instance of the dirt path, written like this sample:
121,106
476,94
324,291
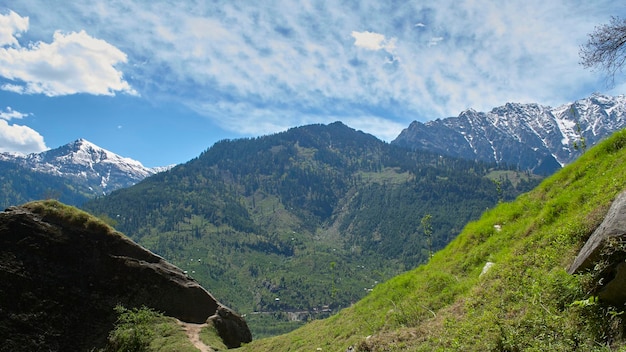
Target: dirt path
193,332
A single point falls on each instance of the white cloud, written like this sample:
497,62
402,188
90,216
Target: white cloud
9,114
20,139
12,88
72,63
257,69
373,41
11,25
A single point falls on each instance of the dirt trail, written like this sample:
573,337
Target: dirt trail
193,332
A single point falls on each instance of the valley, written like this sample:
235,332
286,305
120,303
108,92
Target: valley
295,227
308,220
358,176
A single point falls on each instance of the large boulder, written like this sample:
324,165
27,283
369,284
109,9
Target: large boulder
231,328
63,272
605,253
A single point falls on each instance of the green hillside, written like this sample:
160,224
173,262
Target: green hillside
525,302
294,226
19,185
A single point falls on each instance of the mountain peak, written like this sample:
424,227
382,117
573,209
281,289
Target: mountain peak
97,169
83,143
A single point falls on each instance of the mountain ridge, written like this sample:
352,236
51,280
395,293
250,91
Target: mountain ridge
525,136
89,169
529,136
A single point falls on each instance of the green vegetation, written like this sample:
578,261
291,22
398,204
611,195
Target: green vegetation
55,211
305,222
144,330
524,301
516,178
210,337
20,185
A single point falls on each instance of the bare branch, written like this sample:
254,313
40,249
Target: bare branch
606,48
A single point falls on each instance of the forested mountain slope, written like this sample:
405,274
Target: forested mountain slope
501,285
20,184
304,222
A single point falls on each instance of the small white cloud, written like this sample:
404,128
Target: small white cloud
72,63
420,24
9,114
373,41
20,139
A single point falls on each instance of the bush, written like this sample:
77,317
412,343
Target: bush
133,331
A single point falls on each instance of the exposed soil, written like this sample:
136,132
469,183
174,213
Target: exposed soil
193,332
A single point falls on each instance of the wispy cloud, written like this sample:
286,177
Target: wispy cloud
72,63
9,114
259,69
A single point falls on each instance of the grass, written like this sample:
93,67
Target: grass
270,324
526,301
143,329
514,176
209,336
55,211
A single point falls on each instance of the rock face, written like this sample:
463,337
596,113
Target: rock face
605,251
62,278
231,327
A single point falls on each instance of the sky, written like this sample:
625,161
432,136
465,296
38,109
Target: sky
161,81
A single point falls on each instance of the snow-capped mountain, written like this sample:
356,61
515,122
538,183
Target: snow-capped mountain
530,136
92,168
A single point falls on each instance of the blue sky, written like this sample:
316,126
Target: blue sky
161,81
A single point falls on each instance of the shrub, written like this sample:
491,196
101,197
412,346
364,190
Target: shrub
133,331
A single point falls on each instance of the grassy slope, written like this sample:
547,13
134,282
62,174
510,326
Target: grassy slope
526,301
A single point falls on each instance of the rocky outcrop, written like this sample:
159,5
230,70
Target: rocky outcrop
63,275
605,253
230,327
